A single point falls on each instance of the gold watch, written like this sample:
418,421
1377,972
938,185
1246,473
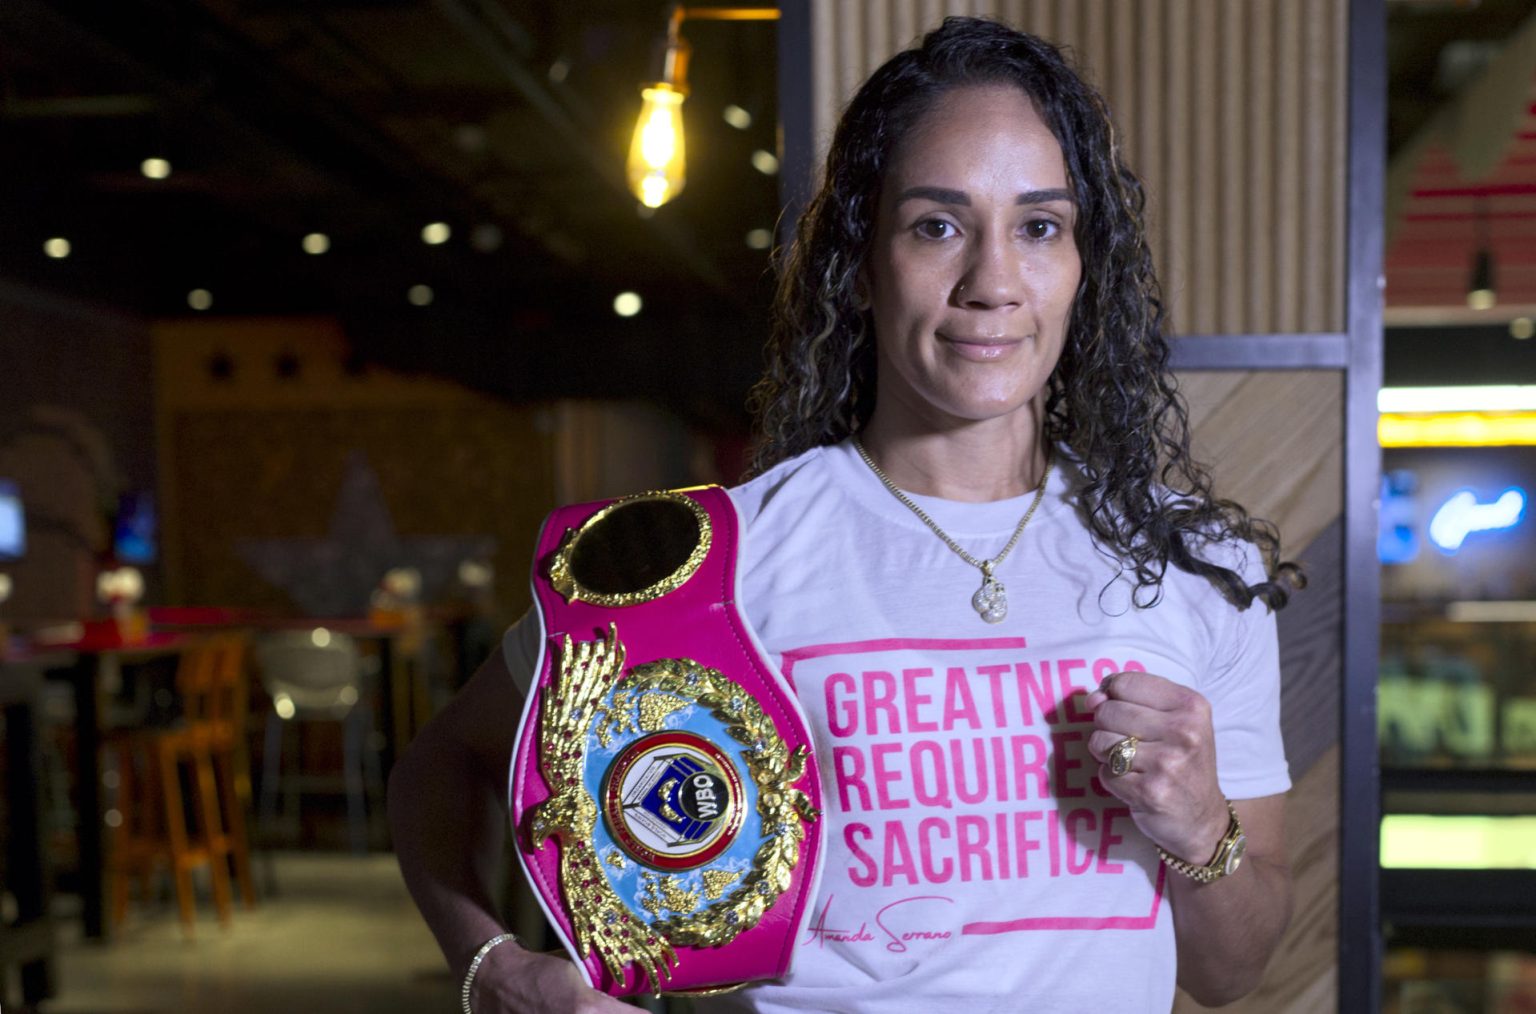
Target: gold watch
1229,854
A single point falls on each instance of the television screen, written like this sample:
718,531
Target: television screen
133,534
13,524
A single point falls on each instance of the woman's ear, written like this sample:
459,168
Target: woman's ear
860,292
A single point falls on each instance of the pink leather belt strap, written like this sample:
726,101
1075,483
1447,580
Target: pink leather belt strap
663,795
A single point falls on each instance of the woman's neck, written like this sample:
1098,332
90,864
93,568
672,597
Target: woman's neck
975,462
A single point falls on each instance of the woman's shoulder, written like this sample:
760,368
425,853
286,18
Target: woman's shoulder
801,475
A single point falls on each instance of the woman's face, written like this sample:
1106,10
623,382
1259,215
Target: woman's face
974,267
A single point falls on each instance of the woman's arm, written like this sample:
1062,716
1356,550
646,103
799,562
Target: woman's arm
448,816
1227,929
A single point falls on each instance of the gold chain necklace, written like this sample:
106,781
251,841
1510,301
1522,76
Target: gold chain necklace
991,599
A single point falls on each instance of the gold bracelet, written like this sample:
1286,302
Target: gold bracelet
1229,854
474,966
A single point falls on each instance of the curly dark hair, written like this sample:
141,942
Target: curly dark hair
1112,403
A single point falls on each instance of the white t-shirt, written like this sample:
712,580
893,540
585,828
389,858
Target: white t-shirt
971,857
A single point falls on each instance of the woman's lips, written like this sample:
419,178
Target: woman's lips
980,348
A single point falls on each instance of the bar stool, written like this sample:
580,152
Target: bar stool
316,676
155,828
225,723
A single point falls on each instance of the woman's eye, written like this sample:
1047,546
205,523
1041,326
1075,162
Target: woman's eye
1041,228
935,228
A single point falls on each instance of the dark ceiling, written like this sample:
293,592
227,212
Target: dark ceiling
506,119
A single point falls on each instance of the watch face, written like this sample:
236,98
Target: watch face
1235,855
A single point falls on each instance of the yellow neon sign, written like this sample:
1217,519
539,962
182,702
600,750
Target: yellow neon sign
1457,429
1421,842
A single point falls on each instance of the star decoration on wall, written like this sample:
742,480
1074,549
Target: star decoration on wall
337,574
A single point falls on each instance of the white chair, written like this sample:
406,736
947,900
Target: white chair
317,676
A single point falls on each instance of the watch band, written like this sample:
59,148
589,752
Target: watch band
1221,863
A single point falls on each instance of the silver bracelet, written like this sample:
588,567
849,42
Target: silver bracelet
474,966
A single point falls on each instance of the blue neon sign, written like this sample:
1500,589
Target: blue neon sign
1462,515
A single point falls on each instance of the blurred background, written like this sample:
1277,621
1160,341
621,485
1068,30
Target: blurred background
310,310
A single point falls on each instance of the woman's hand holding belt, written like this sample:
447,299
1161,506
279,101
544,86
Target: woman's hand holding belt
1157,753
516,981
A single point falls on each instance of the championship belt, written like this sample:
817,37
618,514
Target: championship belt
664,793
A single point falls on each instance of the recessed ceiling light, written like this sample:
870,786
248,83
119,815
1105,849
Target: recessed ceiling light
155,168
57,247
199,299
627,304
420,295
486,237
470,138
760,239
765,162
737,116
435,233
316,243
559,70
1522,328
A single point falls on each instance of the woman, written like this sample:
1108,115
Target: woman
1020,623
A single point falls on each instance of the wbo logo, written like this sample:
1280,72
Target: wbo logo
673,800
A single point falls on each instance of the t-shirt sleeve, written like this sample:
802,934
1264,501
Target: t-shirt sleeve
1243,687
520,649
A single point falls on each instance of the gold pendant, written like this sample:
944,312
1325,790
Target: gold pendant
991,599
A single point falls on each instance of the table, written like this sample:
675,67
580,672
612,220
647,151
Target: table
27,941
96,652
96,655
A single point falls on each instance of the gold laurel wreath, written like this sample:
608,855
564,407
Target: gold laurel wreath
784,809
600,920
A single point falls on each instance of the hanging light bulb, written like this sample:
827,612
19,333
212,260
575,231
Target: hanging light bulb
657,169
1480,291
657,162
1480,288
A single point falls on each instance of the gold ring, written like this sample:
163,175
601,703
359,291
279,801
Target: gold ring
1121,755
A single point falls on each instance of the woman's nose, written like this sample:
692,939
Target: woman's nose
993,277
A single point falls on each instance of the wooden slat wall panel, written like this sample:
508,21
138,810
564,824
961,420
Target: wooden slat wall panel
1274,442
1310,628
1231,110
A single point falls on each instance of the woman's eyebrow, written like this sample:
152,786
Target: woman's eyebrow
940,195
943,195
1045,196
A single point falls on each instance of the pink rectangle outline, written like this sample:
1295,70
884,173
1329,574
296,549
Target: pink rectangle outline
1149,921
894,644
1146,922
